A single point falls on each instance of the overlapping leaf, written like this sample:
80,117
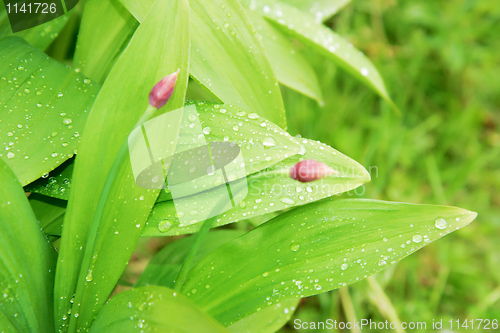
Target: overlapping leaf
154,309
312,249
321,39
269,191
320,9
105,29
49,212
122,100
40,36
228,59
26,284
163,269
43,105
288,63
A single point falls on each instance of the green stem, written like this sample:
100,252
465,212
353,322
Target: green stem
205,228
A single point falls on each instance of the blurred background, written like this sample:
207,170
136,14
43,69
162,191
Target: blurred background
440,61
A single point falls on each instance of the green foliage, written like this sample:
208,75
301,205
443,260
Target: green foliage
245,63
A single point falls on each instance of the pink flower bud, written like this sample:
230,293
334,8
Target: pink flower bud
310,170
163,90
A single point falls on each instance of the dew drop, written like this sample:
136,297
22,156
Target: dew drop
440,223
417,238
10,154
295,247
207,130
269,142
164,226
287,200
344,266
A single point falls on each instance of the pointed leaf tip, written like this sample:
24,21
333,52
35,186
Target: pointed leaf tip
163,90
310,170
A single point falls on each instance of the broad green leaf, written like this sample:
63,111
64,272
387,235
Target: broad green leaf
26,283
43,107
288,63
49,212
262,142
152,309
56,184
163,269
149,57
269,191
321,39
313,249
229,60
320,9
40,36
268,320
105,29
138,8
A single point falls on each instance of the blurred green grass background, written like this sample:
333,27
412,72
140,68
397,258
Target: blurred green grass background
441,63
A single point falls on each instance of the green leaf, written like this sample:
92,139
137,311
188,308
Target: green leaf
322,10
138,8
56,184
105,29
321,39
269,191
26,284
263,144
121,102
44,107
155,309
288,63
49,212
228,59
40,36
313,249
163,269
268,320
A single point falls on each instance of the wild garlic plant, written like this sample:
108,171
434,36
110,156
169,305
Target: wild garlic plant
91,164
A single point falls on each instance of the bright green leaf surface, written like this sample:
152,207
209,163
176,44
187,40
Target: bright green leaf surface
49,212
268,320
106,27
163,269
138,8
320,9
154,309
40,36
289,65
57,184
313,249
26,284
121,102
43,105
229,60
322,39
263,144
269,191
